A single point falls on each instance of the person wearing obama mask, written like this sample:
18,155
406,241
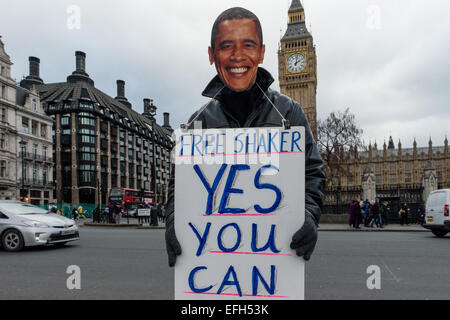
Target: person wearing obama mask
241,98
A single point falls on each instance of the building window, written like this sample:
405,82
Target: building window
35,150
44,175
88,139
65,121
87,157
3,115
25,125
2,141
34,126
408,178
87,121
378,179
34,104
4,92
44,152
86,105
35,174
3,169
393,179
43,130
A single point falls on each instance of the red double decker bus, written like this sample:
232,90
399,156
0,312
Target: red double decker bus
131,197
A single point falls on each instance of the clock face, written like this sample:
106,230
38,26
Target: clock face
296,63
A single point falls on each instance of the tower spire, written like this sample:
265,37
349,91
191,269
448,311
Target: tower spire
295,5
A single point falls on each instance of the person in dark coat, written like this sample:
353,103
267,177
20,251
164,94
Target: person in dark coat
376,216
154,216
384,210
404,214
351,218
357,213
421,214
75,213
241,97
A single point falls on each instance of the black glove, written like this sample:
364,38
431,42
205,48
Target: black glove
172,245
304,240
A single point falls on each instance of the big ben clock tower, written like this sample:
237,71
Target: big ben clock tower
297,64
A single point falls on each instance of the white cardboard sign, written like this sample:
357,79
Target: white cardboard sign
143,213
239,199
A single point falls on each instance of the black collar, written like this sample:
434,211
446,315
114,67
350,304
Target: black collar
263,78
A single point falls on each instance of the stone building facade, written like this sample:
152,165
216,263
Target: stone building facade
100,142
8,131
26,162
392,174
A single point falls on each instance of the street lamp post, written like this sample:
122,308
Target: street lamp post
22,148
152,111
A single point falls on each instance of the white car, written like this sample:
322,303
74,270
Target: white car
23,225
437,217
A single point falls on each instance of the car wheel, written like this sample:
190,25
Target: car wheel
12,241
439,233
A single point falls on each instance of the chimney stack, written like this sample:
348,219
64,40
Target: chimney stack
149,109
166,119
120,89
33,78
34,66
121,93
80,69
80,61
167,122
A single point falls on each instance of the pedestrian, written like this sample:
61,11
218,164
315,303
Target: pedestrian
241,97
357,213
404,214
80,211
118,214
366,213
154,216
75,213
96,215
106,214
421,214
376,216
351,218
384,209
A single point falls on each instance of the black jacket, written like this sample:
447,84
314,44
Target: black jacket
215,116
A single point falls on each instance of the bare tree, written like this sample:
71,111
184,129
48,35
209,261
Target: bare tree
339,140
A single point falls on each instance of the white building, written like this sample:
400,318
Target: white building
26,139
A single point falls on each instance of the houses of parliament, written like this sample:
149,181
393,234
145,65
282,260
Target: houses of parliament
391,173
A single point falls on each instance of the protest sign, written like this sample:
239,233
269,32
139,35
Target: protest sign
239,198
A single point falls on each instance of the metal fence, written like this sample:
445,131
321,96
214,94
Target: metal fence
66,209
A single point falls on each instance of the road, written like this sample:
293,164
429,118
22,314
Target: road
132,264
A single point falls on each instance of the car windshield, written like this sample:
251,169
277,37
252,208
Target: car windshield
20,208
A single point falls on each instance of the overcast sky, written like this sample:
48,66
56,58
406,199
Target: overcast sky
385,60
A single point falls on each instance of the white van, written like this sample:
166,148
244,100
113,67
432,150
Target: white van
437,212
